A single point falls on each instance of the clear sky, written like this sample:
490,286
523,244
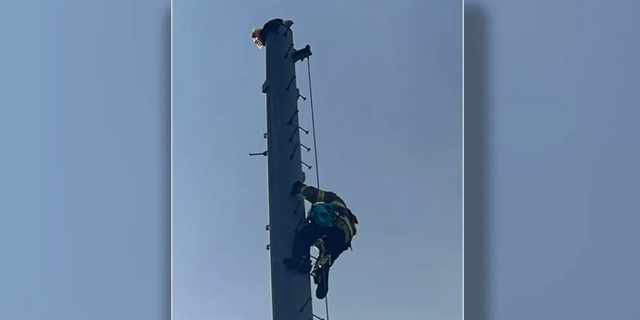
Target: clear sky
387,87
84,160
562,137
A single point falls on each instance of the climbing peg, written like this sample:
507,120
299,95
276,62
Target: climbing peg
293,116
291,82
286,55
301,54
293,134
304,305
293,152
258,154
287,24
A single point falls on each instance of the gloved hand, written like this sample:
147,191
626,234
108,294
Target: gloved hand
297,186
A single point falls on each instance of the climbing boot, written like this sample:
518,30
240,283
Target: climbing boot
322,280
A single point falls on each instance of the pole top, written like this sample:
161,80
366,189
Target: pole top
259,35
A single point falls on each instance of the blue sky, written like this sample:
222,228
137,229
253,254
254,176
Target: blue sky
84,161
562,128
84,166
387,88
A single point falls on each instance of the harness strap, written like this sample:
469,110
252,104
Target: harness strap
333,217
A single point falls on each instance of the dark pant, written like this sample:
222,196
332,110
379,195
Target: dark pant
334,239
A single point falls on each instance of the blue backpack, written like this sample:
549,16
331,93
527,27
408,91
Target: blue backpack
323,214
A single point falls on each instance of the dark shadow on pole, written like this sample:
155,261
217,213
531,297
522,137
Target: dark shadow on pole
165,134
476,166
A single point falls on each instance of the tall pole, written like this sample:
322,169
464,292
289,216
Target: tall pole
290,291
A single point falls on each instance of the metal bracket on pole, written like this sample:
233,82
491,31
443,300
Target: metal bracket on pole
288,24
296,130
293,134
304,305
293,152
286,55
293,116
291,82
301,54
301,96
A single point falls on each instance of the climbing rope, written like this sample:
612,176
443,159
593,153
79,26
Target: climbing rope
315,151
313,124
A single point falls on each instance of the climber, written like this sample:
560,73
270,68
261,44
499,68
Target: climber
329,220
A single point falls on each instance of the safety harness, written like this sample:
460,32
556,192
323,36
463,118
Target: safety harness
323,214
329,214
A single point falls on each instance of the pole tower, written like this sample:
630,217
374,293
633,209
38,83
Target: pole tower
290,291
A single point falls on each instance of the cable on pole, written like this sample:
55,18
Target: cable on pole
315,151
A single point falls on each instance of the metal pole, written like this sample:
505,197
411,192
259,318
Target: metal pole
290,291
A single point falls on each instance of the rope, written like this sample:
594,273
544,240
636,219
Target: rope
315,151
313,125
